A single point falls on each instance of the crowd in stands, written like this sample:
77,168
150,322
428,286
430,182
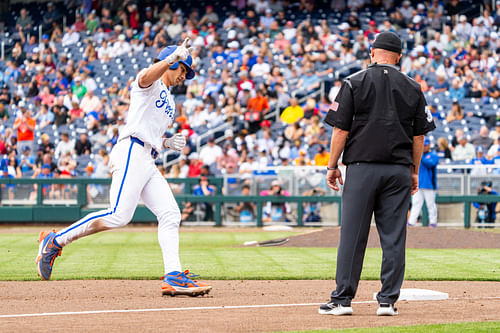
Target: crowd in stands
64,97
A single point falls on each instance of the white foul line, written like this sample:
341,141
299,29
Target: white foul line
220,307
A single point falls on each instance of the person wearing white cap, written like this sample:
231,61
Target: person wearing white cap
121,46
463,29
234,54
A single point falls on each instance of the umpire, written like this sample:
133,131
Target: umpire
379,119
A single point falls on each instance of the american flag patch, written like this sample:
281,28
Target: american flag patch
334,106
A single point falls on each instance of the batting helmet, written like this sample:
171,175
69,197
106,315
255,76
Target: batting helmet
188,62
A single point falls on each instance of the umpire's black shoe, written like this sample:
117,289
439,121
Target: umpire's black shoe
335,309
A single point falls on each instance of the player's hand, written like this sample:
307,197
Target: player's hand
181,53
176,142
331,179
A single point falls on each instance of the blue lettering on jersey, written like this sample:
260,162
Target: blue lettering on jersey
164,101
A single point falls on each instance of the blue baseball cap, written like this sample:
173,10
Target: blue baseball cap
188,62
427,142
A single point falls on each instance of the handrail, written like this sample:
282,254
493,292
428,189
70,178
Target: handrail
218,199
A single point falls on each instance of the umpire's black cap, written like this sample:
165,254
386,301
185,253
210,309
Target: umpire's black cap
388,41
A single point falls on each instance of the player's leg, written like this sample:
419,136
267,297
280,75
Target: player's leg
128,180
417,200
158,197
391,210
430,202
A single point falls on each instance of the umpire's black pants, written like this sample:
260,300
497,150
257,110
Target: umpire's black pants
383,189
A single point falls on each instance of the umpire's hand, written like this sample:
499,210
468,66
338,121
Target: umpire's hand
414,183
331,179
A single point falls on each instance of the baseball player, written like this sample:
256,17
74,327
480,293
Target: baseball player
134,173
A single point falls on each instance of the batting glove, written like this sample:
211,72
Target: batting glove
176,142
180,53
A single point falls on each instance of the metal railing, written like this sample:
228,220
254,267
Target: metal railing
42,210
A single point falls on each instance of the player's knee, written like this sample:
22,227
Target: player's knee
172,217
122,217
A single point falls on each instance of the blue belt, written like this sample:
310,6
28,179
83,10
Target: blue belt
154,153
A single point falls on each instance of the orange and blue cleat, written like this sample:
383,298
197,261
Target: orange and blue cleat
181,283
48,251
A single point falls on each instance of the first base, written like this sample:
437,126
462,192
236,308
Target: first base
412,294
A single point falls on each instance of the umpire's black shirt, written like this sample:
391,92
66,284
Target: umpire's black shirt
382,109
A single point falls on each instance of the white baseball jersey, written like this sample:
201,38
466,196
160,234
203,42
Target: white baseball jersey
151,113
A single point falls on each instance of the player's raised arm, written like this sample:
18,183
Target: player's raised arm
167,57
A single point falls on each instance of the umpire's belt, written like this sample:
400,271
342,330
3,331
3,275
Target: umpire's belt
154,153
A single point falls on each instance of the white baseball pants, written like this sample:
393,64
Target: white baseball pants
134,176
417,202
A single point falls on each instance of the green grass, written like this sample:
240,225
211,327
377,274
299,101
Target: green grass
137,255
476,327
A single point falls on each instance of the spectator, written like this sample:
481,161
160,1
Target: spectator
276,211
4,113
60,83
48,190
194,165
45,145
78,89
24,22
260,69
308,83
486,211
257,107
443,151
246,209
456,113
457,91
9,188
25,127
203,189
211,152
70,37
322,157
23,78
26,162
90,103
226,159
83,145
464,151
442,85
45,117
292,113
482,139
64,146
480,159
210,17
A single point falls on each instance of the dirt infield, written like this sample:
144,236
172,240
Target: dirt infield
244,306
469,301
426,238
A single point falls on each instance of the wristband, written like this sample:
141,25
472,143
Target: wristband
333,168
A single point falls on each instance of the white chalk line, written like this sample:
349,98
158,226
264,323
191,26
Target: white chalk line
219,307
